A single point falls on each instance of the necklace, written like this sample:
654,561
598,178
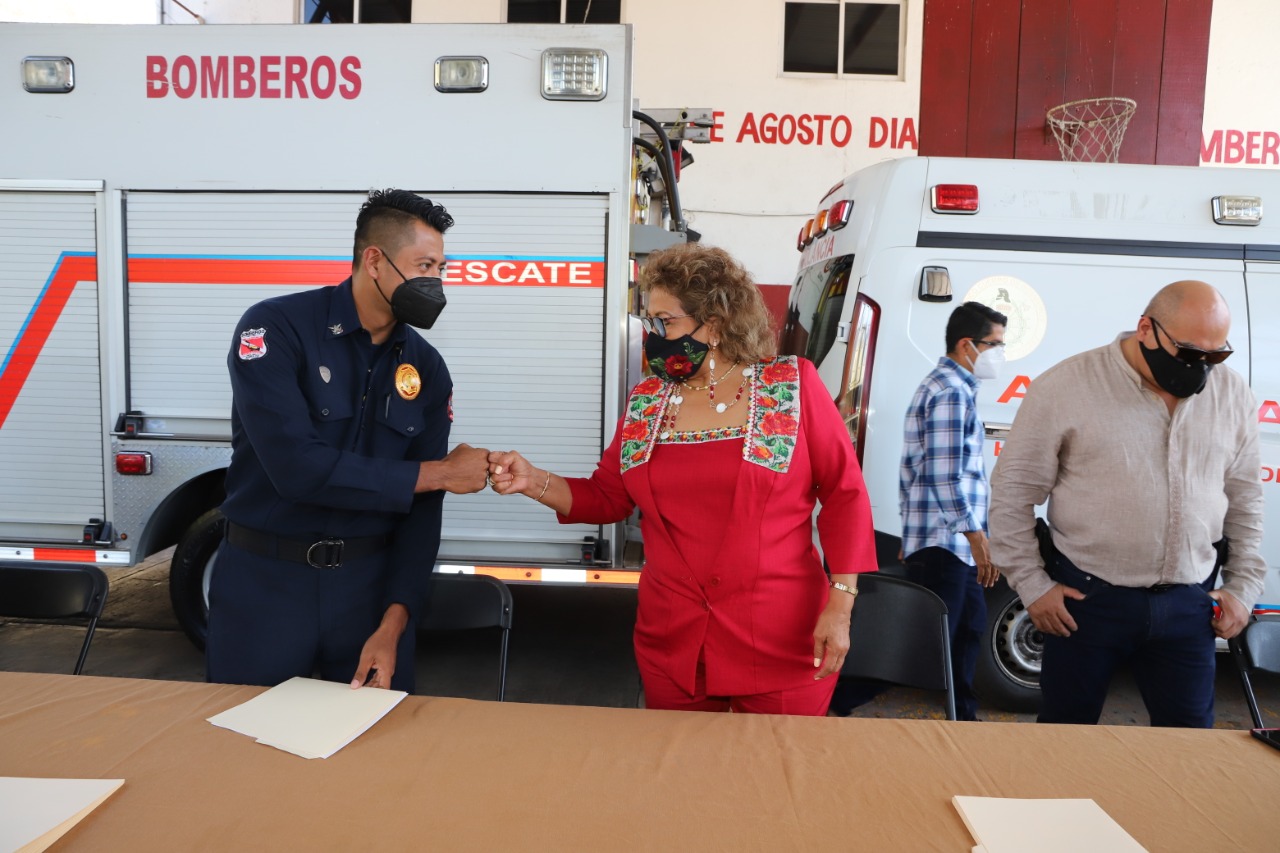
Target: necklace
712,383
721,408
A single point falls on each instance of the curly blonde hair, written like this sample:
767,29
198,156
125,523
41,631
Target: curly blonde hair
711,285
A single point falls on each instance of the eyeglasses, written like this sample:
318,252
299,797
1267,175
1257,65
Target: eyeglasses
992,344
658,325
1188,354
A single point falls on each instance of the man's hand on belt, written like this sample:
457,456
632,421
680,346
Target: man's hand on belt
463,471
1049,612
1232,615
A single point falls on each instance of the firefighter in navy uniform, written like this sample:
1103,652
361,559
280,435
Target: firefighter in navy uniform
340,427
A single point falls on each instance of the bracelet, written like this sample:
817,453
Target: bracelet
844,587
545,486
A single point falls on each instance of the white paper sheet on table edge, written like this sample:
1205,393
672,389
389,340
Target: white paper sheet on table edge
1047,825
36,812
308,717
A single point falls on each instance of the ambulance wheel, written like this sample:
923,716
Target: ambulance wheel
1008,672
190,572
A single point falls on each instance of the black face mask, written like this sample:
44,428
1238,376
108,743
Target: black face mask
674,360
1174,375
418,301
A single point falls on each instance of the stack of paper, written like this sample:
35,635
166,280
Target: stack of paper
34,813
1000,825
310,718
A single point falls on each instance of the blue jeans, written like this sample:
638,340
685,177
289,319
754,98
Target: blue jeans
956,583
1164,634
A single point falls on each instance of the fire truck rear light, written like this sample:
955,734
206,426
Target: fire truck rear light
133,463
955,198
838,216
48,74
574,74
462,74
820,224
1237,209
854,398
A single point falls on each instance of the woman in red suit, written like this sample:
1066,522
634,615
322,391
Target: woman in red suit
727,450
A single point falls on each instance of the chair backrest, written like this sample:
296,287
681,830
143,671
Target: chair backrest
52,592
898,634
459,602
1261,640
55,592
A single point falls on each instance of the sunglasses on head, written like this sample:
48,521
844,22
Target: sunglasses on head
1188,354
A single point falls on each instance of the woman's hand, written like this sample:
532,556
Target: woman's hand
831,636
510,473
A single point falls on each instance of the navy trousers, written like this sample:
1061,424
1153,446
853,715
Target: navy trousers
956,583
1164,635
271,620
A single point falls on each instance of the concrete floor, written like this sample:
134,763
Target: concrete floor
568,646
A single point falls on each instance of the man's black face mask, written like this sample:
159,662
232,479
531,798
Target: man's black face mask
418,301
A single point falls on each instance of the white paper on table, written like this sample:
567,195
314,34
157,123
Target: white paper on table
308,717
1002,825
34,813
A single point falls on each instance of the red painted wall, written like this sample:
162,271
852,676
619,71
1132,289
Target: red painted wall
991,69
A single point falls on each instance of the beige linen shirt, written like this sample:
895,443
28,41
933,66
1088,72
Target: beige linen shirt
1137,497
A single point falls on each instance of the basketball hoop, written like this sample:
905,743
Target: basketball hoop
1092,129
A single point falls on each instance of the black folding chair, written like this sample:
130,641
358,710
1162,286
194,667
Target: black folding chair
55,592
898,635
462,602
1256,649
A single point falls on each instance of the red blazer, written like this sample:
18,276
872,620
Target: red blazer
751,611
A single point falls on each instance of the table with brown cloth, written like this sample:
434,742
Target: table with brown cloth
453,774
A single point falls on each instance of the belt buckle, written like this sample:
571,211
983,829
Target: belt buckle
333,554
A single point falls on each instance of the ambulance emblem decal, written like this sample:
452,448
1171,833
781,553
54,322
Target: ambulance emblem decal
253,344
408,383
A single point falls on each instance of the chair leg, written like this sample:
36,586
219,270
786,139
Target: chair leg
502,666
946,665
84,649
1242,669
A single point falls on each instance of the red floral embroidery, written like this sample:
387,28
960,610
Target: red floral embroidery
778,423
638,455
679,367
759,451
652,385
635,431
780,371
769,402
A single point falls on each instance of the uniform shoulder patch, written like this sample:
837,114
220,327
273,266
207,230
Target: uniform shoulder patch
253,344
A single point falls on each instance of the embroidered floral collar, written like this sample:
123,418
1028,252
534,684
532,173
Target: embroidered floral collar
773,422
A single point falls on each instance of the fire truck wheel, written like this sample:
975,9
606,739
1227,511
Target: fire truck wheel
1008,672
190,571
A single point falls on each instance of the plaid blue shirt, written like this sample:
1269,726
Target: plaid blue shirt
942,487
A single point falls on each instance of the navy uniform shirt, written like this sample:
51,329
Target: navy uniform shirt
322,442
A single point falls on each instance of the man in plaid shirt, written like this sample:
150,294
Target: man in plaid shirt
943,489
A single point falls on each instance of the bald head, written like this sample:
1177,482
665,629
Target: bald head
1192,312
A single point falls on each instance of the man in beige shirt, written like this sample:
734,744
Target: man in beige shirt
1147,451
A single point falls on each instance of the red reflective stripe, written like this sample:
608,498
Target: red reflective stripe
66,555
69,271
236,271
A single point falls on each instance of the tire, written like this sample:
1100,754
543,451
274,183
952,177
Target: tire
1008,671
190,572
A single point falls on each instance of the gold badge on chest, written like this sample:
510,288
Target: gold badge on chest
408,383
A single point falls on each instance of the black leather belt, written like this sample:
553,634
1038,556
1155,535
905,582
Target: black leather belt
1165,587
325,553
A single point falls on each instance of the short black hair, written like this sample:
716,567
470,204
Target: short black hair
386,220
972,320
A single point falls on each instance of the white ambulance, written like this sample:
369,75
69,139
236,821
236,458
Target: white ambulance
1071,253
156,181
